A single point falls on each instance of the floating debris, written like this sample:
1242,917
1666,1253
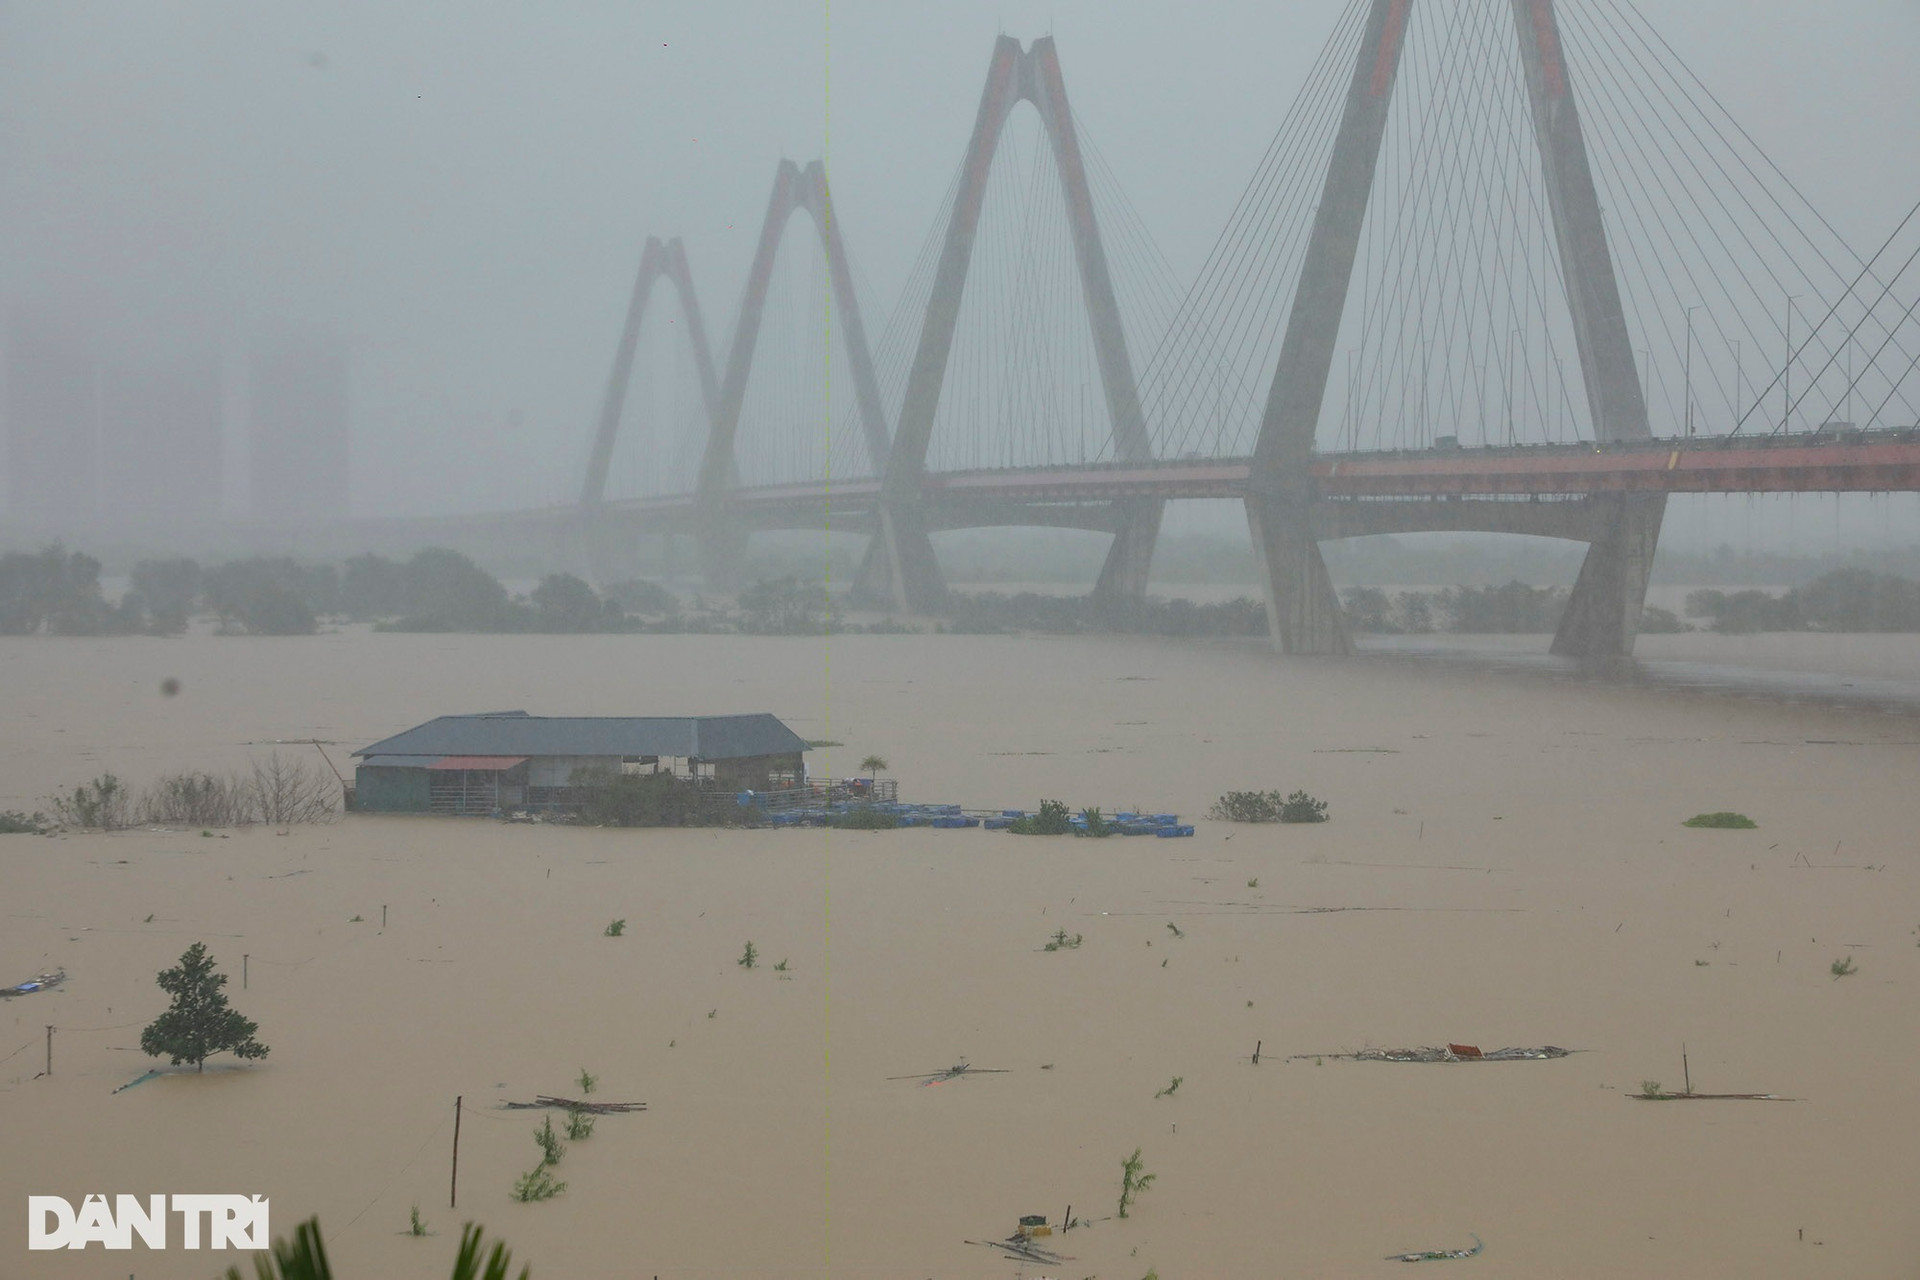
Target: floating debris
1024,1249
1448,1053
39,982
1710,1097
570,1104
1439,1255
954,1072
139,1079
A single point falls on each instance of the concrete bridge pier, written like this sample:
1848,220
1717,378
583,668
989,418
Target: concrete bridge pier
1303,610
872,584
1603,614
900,570
600,551
581,550
1123,577
722,548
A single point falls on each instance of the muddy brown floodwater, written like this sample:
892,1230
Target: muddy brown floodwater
1505,866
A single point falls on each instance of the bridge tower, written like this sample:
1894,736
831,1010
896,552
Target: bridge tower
1603,614
658,260
900,564
1302,608
722,540
794,190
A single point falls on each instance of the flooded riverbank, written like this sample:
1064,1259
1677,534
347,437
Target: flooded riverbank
1505,866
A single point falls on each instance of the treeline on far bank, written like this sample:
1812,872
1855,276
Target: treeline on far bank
1513,609
1843,600
1839,601
58,592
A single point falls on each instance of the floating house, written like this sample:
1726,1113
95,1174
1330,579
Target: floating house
505,760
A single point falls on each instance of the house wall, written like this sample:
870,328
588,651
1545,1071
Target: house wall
389,789
384,789
751,772
557,771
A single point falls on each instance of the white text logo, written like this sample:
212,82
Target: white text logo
231,1222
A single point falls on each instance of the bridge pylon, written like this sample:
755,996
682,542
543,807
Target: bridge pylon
1123,576
1603,614
658,260
901,565
722,538
1303,610
1302,607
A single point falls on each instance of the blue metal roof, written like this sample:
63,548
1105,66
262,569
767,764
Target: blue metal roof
515,733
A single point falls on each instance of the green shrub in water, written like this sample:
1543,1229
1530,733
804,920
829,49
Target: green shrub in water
1723,820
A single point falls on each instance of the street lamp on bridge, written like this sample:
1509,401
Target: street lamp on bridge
1786,375
1688,377
1511,335
1739,388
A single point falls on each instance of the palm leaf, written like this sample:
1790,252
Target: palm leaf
303,1259
468,1266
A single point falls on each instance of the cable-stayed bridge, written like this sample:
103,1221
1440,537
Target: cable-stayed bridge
1506,266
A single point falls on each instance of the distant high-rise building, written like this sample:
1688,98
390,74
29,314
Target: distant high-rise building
51,423
161,442
297,435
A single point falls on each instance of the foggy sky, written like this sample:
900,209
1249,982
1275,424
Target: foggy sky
462,189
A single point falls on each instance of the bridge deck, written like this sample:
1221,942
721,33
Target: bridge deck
1878,462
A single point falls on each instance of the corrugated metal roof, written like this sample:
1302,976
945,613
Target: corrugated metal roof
479,764
519,734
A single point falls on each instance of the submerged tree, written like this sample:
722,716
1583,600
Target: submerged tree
199,1024
446,591
268,596
566,604
54,588
1132,1180
161,595
782,607
1054,819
